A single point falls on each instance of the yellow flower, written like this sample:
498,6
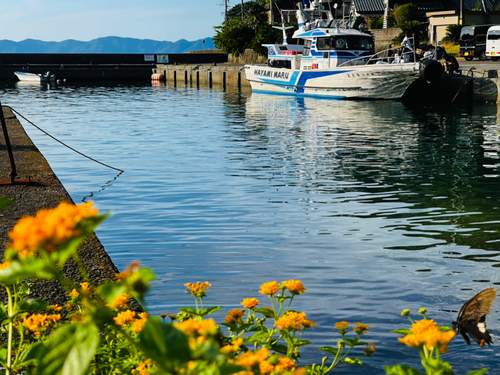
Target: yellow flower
74,293
86,288
294,286
405,312
425,332
342,327
4,265
234,316
124,318
144,367
120,301
49,228
198,289
250,303
269,288
294,321
361,328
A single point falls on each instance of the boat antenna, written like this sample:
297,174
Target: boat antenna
283,28
334,7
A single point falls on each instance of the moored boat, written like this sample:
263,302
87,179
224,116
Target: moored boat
335,61
32,77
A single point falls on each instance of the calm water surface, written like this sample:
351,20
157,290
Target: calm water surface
374,206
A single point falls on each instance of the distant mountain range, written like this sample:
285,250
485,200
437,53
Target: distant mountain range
110,44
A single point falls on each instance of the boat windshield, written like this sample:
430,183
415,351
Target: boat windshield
345,42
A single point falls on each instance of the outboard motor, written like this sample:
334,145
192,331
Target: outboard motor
431,70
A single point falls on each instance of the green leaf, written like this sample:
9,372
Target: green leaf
110,291
401,370
266,312
278,348
26,268
189,310
329,349
164,344
259,337
351,342
402,331
478,372
353,361
436,366
444,328
301,342
209,310
68,351
31,305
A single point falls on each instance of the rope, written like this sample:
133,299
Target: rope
64,144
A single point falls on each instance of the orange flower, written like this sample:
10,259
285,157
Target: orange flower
232,347
4,265
193,327
370,349
123,275
294,321
124,318
144,367
294,286
342,327
234,316
361,328
425,332
140,323
198,289
285,364
74,293
250,359
250,303
120,301
49,228
269,288
40,322
56,307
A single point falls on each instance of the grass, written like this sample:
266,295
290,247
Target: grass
5,202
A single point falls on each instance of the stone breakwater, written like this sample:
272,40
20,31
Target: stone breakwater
44,191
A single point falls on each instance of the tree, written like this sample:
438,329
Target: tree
452,34
405,13
238,34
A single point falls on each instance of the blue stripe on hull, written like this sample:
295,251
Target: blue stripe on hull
299,94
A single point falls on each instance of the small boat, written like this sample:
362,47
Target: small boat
334,60
32,77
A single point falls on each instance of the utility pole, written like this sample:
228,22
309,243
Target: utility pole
242,10
386,8
271,9
226,2
461,20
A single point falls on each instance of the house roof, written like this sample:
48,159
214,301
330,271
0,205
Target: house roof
376,6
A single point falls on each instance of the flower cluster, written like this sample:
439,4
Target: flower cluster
235,316
270,288
144,367
250,303
294,286
128,318
198,289
49,228
293,321
40,322
426,333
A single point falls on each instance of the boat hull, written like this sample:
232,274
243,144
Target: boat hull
31,77
376,81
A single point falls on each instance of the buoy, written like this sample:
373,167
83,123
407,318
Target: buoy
157,77
314,66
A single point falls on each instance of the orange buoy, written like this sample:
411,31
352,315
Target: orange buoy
157,77
314,66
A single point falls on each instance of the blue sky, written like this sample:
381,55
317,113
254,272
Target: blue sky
57,20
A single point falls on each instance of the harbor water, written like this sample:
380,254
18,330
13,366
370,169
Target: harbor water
376,206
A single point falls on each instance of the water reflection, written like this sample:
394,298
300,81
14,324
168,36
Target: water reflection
433,176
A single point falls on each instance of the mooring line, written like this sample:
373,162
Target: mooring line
64,144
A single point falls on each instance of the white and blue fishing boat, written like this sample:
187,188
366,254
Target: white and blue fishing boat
334,61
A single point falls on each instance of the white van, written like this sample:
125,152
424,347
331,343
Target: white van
493,42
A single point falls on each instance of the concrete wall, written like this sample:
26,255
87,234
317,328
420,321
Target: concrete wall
384,37
204,75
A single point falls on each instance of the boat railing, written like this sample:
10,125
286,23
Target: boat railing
388,56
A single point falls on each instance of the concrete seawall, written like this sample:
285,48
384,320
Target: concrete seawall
44,191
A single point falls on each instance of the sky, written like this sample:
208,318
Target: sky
84,20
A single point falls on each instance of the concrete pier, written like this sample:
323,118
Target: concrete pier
203,74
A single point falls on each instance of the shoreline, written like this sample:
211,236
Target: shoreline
44,191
